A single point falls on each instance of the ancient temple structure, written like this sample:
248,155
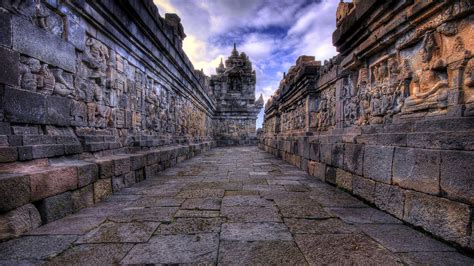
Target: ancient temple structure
389,119
233,87
98,95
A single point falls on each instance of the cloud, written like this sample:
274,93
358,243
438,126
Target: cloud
272,33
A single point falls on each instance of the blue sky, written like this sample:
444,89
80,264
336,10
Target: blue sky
273,33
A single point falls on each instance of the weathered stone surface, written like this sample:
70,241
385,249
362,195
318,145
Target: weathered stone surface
196,213
250,214
363,216
260,253
378,163
344,179
456,178
5,29
69,226
205,193
439,216
255,232
191,226
245,200
102,189
345,248
172,249
82,198
417,169
353,158
55,207
122,166
363,187
96,254
325,226
400,238
390,198
49,183
436,258
14,191
35,247
201,204
27,38
111,232
19,221
24,106
10,73
8,154
304,211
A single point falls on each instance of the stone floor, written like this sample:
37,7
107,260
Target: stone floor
229,206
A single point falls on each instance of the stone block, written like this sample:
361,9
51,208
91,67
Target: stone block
38,139
24,106
14,191
140,175
10,71
378,163
129,179
19,221
76,35
118,183
102,189
31,40
8,154
87,173
390,198
344,179
55,207
152,171
137,161
330,175
317,170
442,217
353,158
51,182
25,153
314,151
83,198
152,157
106,168
72,149
58,110
363,187
417,169
45,151
325,152
457,175
337,155
122,166
5,29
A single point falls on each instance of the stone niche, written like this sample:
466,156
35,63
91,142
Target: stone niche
390,119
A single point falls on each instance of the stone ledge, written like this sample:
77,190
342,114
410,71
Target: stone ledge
60,187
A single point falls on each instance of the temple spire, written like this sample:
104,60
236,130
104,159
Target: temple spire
234,51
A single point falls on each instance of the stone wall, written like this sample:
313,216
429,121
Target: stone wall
390,119
95,96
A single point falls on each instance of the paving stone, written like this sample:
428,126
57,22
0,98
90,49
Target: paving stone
173,249
250,214
401,238
92,254
111,232
231,193
202,204
245,200
191,226
304,211
260,253
325,226
343,249
19,221
255,232
35,247
68,226
196,213
204,193
435,258
363,216
417,169
141,214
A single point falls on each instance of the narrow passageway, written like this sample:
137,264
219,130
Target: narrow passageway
229,206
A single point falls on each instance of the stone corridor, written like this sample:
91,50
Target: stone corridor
229,206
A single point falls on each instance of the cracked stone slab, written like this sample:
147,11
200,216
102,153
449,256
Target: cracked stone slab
35,247
202,204
92,254
69,226
401,238
173,249
255,232
191,226
326,226
363,216
260,253
112,232
250,214
344,249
